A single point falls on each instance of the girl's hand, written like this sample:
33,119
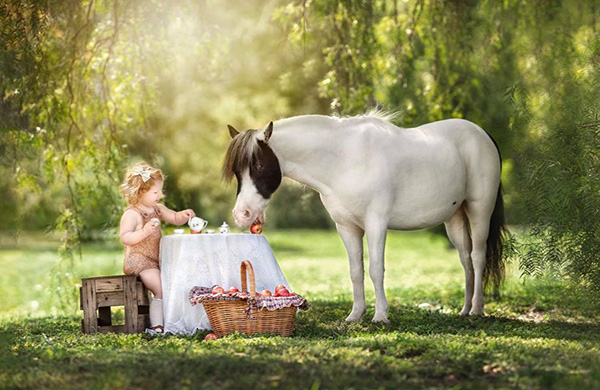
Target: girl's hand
187,214
150,227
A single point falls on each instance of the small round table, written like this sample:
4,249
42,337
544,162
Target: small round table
188,260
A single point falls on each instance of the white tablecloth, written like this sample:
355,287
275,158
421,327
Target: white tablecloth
189,260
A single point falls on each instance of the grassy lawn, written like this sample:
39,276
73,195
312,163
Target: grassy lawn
535,337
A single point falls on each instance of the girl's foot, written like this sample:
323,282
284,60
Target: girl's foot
158,329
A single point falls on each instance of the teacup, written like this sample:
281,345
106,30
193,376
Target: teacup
196,224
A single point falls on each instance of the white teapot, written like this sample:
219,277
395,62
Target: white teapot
196,224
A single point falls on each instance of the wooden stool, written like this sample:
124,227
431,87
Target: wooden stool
97,295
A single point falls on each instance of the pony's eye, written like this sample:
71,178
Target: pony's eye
259,166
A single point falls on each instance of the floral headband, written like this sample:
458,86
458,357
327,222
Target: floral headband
143,172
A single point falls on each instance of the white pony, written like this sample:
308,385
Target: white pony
373,176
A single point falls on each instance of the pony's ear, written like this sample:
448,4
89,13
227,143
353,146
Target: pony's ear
232,132
268,131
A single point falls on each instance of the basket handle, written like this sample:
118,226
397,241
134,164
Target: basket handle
246,265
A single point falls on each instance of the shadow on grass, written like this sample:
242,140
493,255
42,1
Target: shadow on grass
327,320
49,352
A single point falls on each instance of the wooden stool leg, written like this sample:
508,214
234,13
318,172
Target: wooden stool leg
131,305
143,302
90,321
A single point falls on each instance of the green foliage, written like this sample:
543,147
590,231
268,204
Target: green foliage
560,171
65,138
96,85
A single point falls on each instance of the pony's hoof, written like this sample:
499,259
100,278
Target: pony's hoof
477,313
465,311
382,319
354,317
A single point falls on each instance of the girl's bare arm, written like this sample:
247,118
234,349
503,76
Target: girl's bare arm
130,233
175,217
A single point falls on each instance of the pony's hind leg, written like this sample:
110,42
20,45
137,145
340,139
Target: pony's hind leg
479,215
458,232
353,241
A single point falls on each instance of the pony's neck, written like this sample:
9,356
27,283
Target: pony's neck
303,145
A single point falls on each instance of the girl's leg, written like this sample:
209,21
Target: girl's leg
151,279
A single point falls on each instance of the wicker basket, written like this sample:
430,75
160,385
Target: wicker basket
227,316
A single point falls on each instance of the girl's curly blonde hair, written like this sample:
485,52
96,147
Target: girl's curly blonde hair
133,187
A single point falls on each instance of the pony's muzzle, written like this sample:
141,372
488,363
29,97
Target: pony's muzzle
246,217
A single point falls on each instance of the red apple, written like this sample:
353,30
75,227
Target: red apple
243,295
218,290
265,293
279,287
232,290
283,293
210,337
256,228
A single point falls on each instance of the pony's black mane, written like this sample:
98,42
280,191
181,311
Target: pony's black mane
239,154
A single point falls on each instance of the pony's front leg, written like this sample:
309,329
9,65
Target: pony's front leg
376,235
353,241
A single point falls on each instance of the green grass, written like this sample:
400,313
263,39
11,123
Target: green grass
535,337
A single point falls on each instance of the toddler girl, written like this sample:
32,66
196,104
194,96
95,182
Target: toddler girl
140,231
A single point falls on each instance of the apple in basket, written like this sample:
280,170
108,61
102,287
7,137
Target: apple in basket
265,293
210,337
279,287
283,292
233,290
218,290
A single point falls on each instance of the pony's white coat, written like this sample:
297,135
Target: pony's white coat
373,175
